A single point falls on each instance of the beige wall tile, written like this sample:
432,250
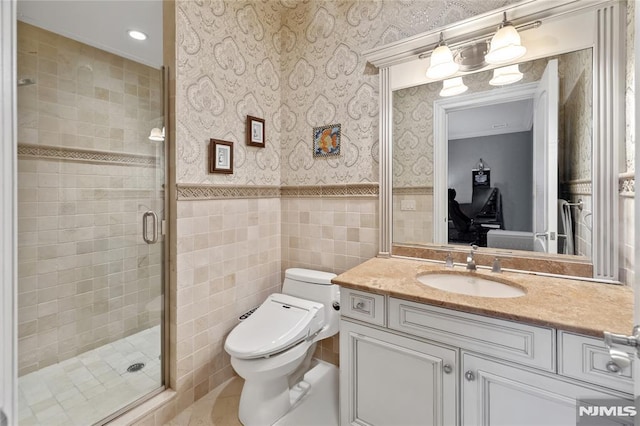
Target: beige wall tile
71,272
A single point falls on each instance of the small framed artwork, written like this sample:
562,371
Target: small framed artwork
481,177
326,140
220,156
255,131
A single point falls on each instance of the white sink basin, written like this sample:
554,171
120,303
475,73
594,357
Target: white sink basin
471,285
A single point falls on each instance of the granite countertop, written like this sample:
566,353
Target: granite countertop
579,306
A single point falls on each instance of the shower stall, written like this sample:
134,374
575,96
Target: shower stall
90,234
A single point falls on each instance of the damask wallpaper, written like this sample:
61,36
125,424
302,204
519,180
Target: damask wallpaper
630,109
576,97
298,64
228,67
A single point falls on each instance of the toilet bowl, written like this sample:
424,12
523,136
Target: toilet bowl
272,349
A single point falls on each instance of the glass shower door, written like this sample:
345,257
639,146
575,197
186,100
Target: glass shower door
90,207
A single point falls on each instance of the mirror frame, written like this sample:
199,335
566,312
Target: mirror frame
602,28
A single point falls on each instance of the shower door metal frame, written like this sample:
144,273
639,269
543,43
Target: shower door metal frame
8,214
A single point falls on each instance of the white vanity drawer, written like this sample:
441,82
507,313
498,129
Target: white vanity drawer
521,343
586,358
363,306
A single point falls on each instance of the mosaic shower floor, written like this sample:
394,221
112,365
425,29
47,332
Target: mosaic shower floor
89,387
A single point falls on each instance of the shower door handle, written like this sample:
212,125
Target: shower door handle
154,226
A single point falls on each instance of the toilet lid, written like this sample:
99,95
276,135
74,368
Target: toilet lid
280,322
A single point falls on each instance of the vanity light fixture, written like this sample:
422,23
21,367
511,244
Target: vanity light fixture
505,44
453,86
442,64
506,75
137,35
156,135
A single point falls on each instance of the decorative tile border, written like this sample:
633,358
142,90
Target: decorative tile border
413,190
354,190
358,190
118,194
213,192
627,184
577,187
86,156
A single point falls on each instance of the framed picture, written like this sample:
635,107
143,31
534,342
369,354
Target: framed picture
481,177
255,131
326,140
220,156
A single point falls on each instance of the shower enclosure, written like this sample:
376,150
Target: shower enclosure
90,240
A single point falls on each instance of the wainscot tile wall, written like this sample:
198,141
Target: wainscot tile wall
228,262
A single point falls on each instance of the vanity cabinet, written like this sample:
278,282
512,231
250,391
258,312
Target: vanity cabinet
409,363
497,393
394,380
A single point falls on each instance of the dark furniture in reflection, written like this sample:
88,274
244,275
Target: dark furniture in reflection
469,223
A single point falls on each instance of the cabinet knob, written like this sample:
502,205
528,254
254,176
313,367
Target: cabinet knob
612,367
360,305
447,368
470,376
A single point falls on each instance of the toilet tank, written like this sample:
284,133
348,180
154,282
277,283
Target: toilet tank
315,286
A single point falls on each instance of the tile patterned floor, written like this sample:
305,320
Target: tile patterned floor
91,386
217,408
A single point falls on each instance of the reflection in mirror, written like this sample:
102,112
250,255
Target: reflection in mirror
499,196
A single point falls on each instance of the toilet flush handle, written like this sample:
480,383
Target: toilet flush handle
336,305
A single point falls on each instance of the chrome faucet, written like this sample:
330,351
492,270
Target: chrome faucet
471,263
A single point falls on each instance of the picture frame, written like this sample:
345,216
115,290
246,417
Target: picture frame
255,132
220,156
481,177
326,140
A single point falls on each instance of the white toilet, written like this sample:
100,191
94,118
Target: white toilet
272,349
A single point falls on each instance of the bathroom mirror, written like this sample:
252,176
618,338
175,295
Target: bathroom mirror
402,68
488,160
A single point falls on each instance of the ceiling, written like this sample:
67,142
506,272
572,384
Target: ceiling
102,24
508,117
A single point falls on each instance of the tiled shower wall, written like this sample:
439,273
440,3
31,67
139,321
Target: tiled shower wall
86,173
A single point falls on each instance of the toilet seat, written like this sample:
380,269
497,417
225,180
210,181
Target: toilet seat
282,321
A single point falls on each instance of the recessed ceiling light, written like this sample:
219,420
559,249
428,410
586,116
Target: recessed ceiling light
137,35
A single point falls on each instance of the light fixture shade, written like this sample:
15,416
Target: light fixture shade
506,75
442,64
505,46
453,86
157,135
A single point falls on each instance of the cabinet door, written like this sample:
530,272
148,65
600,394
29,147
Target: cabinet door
386,379
496,394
